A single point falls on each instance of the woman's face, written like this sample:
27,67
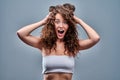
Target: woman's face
61,26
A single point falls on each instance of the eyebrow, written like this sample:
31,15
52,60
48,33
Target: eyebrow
57,19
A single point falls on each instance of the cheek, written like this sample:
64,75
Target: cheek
55,25
66,27
55,28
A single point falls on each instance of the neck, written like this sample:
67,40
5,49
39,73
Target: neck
60,40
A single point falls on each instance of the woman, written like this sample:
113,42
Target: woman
59,41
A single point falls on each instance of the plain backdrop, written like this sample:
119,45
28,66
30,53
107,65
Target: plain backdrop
19,61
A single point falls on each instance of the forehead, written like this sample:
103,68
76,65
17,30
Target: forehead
59,17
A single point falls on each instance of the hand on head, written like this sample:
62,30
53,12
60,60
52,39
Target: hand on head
76,19
46,18
65,9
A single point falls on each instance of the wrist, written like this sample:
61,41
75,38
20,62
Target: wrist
77,20
42,22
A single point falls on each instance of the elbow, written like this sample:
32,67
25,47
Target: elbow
19,34
96,39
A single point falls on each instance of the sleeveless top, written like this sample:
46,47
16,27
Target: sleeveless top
56,63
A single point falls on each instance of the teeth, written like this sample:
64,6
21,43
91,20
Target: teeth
60,31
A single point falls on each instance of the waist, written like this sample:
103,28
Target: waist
58,76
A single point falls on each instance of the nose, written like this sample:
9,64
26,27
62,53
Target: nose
61,24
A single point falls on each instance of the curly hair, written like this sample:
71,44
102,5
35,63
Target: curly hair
49,37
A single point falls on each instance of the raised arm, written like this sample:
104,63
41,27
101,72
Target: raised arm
93,36
26,37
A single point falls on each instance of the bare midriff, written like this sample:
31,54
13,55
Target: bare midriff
58,76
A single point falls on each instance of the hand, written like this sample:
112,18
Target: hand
44,21
77,20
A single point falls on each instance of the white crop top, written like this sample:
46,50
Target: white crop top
54,63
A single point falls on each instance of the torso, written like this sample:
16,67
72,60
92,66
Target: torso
57,75
59,50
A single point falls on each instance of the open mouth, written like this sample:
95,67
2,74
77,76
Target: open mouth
61,31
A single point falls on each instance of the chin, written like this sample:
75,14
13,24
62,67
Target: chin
60,38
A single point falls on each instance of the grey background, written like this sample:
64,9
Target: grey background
19,61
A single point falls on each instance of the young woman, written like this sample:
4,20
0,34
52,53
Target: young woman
59,41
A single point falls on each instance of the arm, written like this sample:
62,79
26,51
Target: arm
93,36
25,36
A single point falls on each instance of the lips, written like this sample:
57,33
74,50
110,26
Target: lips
61,31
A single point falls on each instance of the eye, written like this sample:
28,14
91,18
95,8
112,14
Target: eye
57,21
65,22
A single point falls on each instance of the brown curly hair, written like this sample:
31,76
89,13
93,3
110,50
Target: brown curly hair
49,37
